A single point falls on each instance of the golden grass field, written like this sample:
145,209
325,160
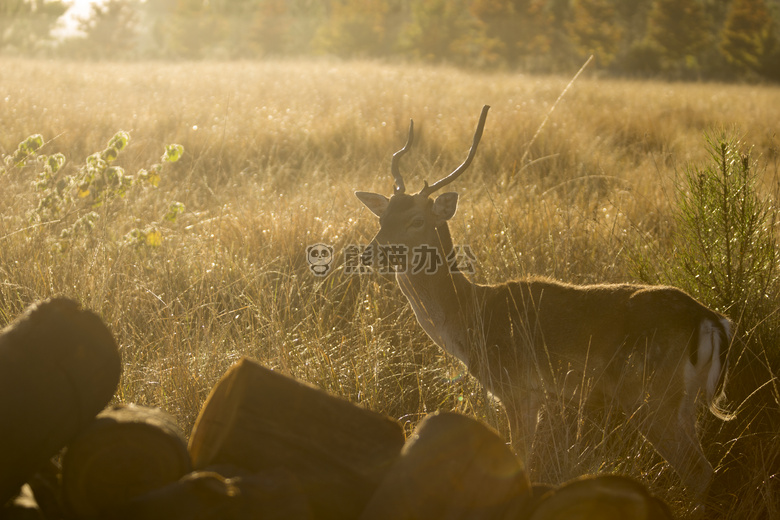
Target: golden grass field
273,153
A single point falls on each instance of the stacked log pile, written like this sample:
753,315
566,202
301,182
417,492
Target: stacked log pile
264,446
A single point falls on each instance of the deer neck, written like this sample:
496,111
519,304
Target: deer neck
441,299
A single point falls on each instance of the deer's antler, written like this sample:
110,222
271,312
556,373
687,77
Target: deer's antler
427,190
399,181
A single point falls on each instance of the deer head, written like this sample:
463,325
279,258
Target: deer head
416,220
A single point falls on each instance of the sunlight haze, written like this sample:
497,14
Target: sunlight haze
69,21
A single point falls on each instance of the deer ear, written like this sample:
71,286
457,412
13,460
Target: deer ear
445,205
374,201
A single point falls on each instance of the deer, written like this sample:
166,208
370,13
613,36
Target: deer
654,351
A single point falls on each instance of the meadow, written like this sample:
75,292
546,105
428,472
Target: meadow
273,152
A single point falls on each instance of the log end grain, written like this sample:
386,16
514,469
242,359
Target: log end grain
259,420
453,466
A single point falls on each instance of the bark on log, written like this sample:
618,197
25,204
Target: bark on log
126,452
59,366
606,497
453,467
258,419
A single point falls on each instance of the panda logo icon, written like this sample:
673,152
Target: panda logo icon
320,258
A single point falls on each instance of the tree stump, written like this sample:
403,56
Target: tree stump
454,467
258,419
59,366
126,452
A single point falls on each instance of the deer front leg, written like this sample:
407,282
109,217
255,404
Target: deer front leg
523,414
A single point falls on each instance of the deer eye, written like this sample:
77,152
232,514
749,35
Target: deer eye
417,222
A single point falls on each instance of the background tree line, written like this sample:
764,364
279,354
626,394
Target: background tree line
717,39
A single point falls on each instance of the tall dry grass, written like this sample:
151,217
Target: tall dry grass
273,152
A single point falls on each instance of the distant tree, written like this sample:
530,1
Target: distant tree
562,52
679,28
440,30
189,29
501,21
111,30
271,29
354,28
232,7
537,26
748,39
633,17
156,33
594,29
26,25
230,25
194,29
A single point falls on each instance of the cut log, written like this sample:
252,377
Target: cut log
258,419
273,495
453,467
126,452
206,495
606,497
198,496
59,366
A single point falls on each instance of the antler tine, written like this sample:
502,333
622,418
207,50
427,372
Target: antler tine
427,190
399,181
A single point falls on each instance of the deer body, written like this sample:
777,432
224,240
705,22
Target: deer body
651,351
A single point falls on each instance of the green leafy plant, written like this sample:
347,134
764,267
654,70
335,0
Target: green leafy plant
68,202
726,246
726,254
151,235
24,151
